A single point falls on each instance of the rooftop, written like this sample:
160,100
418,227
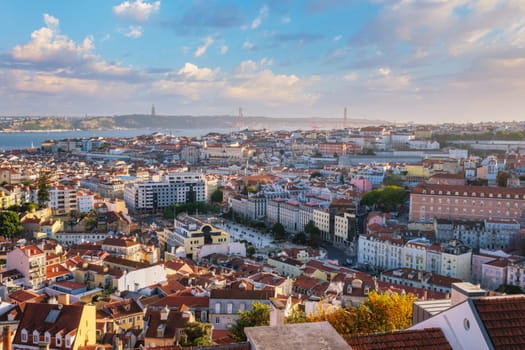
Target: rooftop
303,336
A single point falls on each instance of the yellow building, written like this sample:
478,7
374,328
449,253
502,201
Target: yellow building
56,326
190,232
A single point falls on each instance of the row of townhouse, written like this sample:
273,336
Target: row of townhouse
479,234
386,252
16,195
337,223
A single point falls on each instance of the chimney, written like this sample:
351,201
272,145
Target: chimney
164,313
6,343
276,312
462,291
63,299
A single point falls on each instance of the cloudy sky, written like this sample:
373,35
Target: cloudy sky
396,60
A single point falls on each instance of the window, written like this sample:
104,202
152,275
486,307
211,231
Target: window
24,336
217,320
47,337
217,308
36,337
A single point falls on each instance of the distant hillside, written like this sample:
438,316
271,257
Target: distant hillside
139,121
233,122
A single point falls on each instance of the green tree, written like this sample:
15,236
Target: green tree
313,233
217,196
10,224
388,198
278,231
300,238
509,289
393,179
315,174
502,178
259,315
197,334
43,188
250,251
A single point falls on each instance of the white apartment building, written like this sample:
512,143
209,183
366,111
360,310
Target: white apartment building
342,227
481,234
72,238
62,199
321,218
285,212
452,259
249,207
516,274
85,201
173,188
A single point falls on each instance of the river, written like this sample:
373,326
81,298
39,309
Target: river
21,140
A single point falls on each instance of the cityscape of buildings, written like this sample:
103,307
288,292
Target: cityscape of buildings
115,258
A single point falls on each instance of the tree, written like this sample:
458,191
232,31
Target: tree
217,196
502,178
10,224
380,312
278,231
388,198
250,251
313,232
259,315
43,188
315,174
197,334
393,179
509,289
300,238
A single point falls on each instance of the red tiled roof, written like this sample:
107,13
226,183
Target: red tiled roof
423,339
504,320
176,301
36,317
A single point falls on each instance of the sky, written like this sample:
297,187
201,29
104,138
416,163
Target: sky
422,61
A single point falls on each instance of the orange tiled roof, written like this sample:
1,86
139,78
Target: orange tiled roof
504,320
424,339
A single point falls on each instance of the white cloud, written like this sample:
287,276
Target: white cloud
48,45
337,37
201,50
263,13
224,49
134,32
50,21
384,80
286,20
265,62
41,82
248,45
191,71
137,10
247,83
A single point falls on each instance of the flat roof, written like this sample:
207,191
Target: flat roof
301,336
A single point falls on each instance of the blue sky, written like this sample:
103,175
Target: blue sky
395,60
